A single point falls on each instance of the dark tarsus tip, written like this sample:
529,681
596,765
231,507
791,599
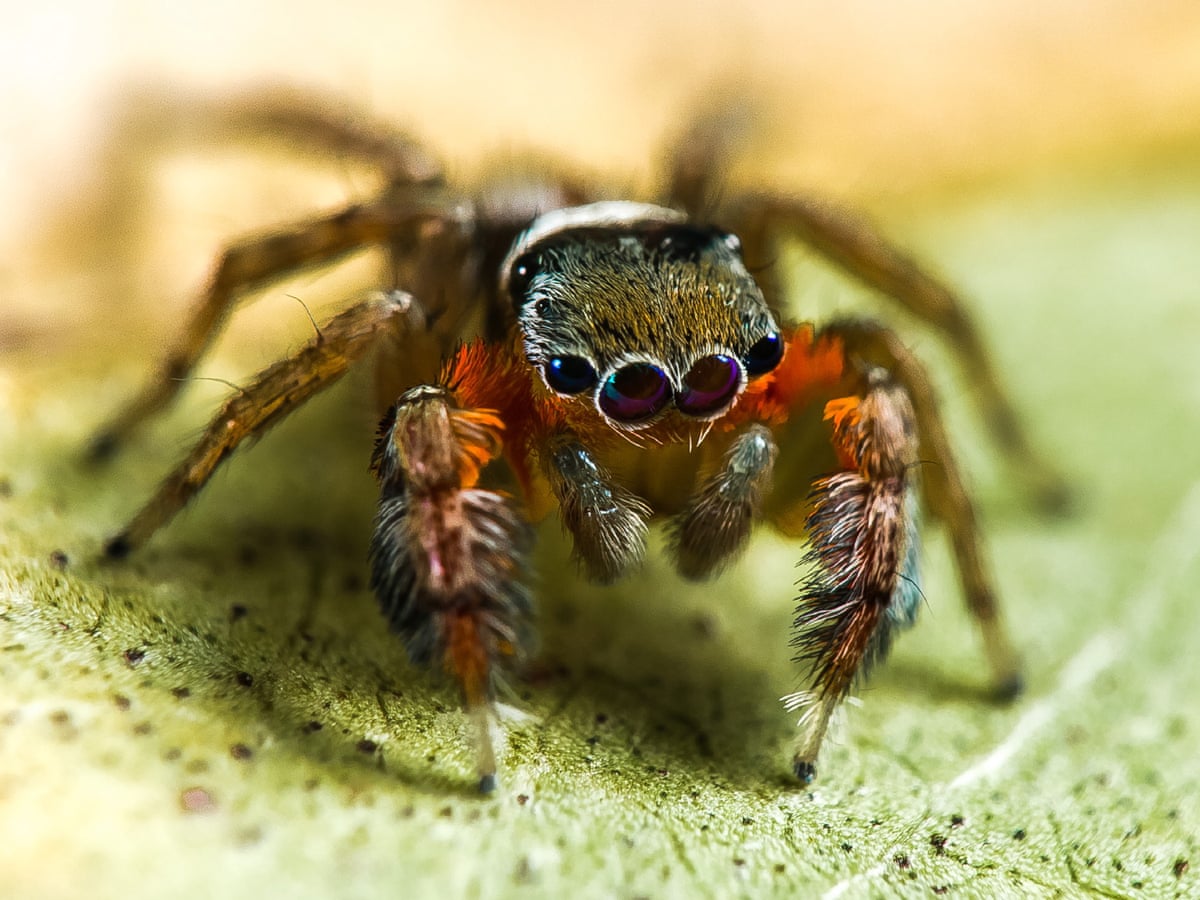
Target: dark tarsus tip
1056,499
804,770
101,448
117,547
487,783
1010,688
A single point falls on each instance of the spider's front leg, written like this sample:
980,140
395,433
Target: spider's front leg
864,579
448,558
863,518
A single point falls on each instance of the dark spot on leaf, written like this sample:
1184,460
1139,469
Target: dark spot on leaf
1019,834
244,679
366,745
121,702
1180,868
134,656
59,560
240,751
196,800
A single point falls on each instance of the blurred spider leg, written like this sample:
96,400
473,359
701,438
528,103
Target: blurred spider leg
109,221
700,157
304,121
156,124
862,525
607,522
448,559
863,252
275,392
946,492
242,267
715,525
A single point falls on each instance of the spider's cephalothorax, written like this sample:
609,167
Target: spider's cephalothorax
640,311
630,367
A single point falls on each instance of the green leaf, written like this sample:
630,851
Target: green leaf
225,714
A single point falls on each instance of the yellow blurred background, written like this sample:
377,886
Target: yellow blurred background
863,100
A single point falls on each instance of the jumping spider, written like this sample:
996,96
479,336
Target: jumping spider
623,362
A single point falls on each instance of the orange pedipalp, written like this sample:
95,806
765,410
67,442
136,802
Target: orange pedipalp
810,366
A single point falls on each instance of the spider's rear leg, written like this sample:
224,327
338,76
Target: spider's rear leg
275,392
858,248
243,267
448,558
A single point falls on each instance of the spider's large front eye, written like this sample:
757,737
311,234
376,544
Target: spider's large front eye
635,392
765,354
709,385
569,374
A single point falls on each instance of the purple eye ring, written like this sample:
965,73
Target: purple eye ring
710,385
635,392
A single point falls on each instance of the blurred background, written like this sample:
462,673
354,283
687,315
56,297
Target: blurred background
872,102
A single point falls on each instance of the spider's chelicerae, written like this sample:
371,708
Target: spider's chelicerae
621,362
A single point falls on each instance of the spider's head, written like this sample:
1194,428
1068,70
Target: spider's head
640,311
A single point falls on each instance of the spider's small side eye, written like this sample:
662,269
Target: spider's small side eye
520,276
570,374
765,354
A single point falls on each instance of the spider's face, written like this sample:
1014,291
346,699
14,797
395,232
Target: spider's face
638,310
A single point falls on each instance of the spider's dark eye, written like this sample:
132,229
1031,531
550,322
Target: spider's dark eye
523,269
570,374
635,392
709,385
765,354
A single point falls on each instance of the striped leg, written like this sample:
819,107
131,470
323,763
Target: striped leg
449,558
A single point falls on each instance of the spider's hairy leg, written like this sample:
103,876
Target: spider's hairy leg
242,267
853,244
716,523
448,558
276,391
946,491
607,522
863,579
